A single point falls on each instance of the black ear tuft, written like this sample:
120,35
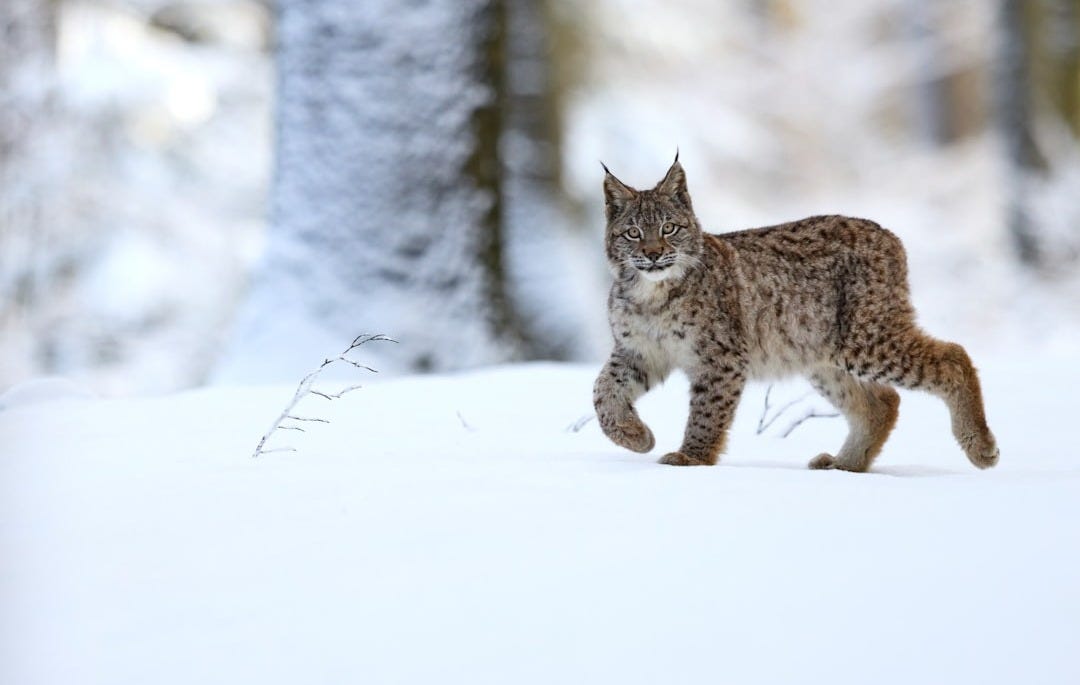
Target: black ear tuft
616,194
674,183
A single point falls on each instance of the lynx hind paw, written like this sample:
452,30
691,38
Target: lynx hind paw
634,436
986,459
681,459
826,461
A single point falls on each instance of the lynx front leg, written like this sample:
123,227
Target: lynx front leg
713,399
622,380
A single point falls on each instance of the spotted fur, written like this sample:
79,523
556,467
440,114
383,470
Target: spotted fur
825,297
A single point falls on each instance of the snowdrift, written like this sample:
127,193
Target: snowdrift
460,530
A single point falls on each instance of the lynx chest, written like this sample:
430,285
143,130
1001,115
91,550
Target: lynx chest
665,338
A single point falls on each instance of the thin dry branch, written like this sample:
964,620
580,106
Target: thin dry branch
305,389
465,424
576,426
337,395
766,421
810,413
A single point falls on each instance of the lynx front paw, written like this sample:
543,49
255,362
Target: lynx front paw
681,459
825,461
632,434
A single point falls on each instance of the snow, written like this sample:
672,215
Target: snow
42,390
455,529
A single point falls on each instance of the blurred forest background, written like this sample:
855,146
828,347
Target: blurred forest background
195,191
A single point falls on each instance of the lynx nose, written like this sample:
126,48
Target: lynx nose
653,254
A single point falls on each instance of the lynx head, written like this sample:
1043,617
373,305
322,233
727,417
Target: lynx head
652,234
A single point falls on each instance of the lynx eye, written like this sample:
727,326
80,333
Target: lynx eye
633,234
669,229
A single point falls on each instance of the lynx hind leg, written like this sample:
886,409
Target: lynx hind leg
945,369
870,409
920,362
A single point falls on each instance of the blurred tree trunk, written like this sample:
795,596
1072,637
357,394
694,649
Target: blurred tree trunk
933,99
1061,24
1015,118
535,208
532,106
774,14
948,101
387,208
27,46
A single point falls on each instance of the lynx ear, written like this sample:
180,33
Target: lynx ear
674,184
616,194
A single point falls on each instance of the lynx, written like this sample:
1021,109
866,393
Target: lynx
825,297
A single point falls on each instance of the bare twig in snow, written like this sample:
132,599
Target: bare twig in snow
337,395
464,423
580,423
305,389
766,420
810,413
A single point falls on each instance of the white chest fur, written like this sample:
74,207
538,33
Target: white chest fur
659,334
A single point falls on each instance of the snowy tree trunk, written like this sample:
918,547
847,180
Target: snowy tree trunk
932,100
27,43
1062,36
387,202
1012,105
535,209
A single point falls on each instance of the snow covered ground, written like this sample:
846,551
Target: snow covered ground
455,530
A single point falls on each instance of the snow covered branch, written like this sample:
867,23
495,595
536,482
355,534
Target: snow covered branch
286,420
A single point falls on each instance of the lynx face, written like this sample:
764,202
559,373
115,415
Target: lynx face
651,233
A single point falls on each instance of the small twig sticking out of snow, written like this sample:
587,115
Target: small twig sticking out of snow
465,424
337,395
810,413
305,389
765,421
576,426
